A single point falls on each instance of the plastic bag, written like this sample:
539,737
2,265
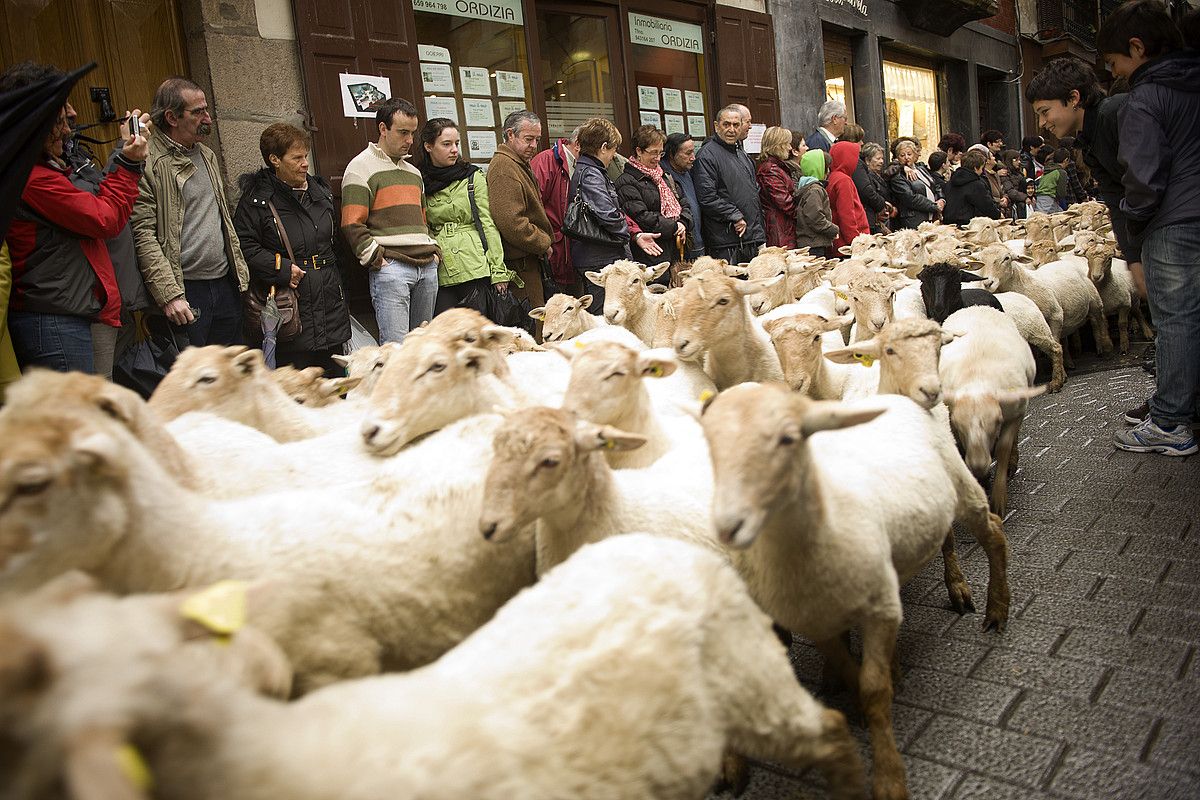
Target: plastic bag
502,309
359,337
149,359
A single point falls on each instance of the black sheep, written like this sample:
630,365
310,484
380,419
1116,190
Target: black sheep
941,289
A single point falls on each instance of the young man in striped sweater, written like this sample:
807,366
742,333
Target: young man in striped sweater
383,219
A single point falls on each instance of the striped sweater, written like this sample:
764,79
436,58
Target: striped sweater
383,208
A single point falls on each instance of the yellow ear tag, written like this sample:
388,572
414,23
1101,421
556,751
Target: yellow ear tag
221,608
656,371
864,359
840,295
706,395
134,767
578,345
609,444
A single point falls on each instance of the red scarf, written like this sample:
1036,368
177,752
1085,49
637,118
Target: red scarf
670,206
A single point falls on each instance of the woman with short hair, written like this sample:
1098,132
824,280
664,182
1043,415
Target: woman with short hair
651,198
875,196
913,192
777,175
679,156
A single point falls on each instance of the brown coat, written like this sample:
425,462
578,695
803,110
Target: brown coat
517,209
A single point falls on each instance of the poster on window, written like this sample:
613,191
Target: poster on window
508,107
695,102
650,118
674,123
510,84
441,107
431,52
697,127
481,145
672,99
437,78
647,97
475,80
361,93
479,113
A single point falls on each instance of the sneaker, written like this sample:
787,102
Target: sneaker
1136,416
1147,437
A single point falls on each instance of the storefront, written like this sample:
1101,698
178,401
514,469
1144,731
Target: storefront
910,98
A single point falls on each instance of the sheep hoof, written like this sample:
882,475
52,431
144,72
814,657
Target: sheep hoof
735,773
995,621
960,598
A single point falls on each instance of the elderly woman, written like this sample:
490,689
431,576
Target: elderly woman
814,219
472,253
875,196
679,155
913,191
286,221
777,175
598,143
652,199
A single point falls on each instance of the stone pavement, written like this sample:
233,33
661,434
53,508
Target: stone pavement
1094,691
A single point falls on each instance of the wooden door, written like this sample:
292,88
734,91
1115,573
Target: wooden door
746,62
135,44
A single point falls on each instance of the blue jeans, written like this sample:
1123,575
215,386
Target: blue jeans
220,307
61,342
403,296
1171,259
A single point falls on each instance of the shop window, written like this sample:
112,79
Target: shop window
473,70
577,81
839,85
669,74
910,95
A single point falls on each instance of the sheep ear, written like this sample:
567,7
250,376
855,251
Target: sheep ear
1023,259
472,358
119,403
842,291
341,360
864,353
595,277
96,451
249,362
538,313
585,302
974,263
657,270
339,386
1025,393
969,277
590,437
735,271
844,249
832,416
657,288
949,336
656,363
754,287
102,766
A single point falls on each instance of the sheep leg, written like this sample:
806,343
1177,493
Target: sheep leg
1077,344
1053,350
1068,359
735,773
1099,322
1123,329
1139,317
988,530
956,582
839,663
875,692
1006,446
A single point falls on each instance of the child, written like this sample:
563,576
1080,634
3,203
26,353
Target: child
1052,186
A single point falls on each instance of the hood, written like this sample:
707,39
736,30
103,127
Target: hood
962,176
845,157
1179,70
812,164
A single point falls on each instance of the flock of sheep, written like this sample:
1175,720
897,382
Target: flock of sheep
572,564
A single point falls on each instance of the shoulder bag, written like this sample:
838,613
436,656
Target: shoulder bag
287,299
580,222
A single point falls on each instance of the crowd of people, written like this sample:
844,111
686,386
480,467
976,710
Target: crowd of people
153,230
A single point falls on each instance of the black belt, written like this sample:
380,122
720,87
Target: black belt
316,262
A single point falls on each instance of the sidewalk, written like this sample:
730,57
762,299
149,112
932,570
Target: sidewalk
1094,691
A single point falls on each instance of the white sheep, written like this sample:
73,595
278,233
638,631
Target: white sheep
627,301
588,680
801,341
799,273
715,325
565,317
1114,282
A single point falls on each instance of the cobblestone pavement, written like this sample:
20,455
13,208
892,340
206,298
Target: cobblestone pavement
1094,691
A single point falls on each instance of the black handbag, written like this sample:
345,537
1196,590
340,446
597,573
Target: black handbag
502,309
581,223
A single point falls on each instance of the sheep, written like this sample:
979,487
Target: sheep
1042,252
565,317
826,525
800,341
1080,300
799,274
366,363
576,701
1114,282
987,376
870,297
942,292
370,585
626,301
714,324
907,352
309,386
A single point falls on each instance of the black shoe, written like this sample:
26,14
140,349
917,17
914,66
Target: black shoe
1136,416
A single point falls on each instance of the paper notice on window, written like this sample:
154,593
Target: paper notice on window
508,107
695,102
647,96
674,123
437,78
672,100
481,145
753,143
431,52
475,80
510,84
441,107
697,127
361,93
479,113
650,118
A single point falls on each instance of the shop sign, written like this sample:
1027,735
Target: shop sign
667,33
858,5
506,11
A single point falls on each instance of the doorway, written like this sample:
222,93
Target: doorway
580,66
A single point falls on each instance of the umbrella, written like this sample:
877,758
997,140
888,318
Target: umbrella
270,327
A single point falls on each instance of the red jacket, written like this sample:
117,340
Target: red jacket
848,212
46,258
550,171
776,192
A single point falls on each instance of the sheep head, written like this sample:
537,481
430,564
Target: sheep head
941,289
560,317
870,296
624,285
1042,251
718,265
797,341
225,380
1099,255
976,418
539,467
310,387
467,327
365,364
606,380
1039,228
757,437
998,266
798,273
711,309
908,352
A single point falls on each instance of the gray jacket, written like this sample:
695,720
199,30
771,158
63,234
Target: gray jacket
727,191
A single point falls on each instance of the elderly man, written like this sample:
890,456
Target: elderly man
747,120
183,232
728,192
517,207
831,121
553,168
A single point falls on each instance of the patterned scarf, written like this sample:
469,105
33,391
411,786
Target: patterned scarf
670,206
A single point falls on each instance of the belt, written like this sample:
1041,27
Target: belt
316,262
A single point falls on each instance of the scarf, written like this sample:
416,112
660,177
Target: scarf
438,178
670,206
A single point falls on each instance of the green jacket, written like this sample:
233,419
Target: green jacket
1053,183
448,214
157,219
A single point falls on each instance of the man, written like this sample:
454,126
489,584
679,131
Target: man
990,177
187,249
552,169
1029,164
728,192
1158,129
517,207
967,192
831,121
953,145
747,121
993,140
383,219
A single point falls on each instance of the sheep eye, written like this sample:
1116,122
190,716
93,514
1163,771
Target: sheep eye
617,374
31,488
724,301
470,338
786,439
437,366
890,351
207,379
817,338
548,463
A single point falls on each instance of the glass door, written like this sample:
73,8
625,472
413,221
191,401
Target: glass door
579,66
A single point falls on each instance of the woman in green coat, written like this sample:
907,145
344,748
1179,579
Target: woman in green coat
472,253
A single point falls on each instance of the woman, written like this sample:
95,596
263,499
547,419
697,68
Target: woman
939,171
912,191
814,221
679,155
848,213
876,198
1012,181
777,176
305,209
651,198
469,262
990,176
598,143
799,148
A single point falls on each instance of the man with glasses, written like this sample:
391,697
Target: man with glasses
831,121
186,245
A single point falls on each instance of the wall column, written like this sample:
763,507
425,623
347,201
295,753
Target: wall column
867,70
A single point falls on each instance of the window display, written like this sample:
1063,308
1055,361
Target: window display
910,95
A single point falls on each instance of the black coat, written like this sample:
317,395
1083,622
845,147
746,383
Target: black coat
310,230
641,202
590,179
873,199
727,190
1100,146
913,206
968,195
